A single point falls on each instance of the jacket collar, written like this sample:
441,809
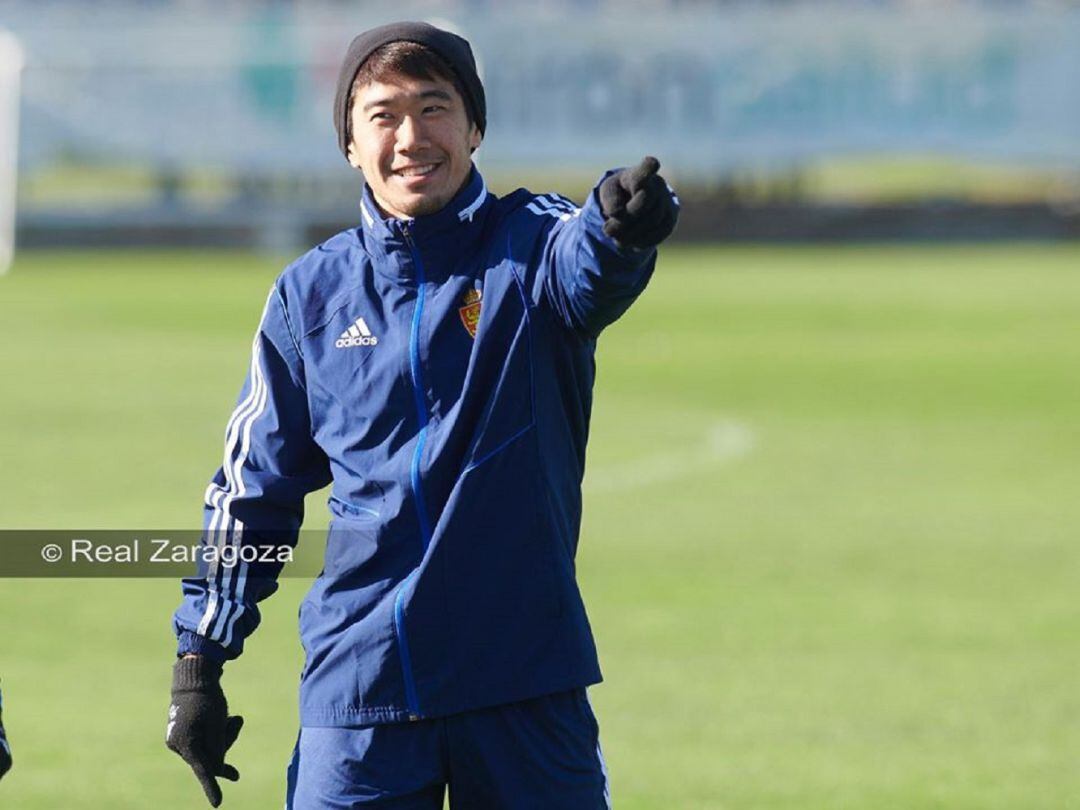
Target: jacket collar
459,223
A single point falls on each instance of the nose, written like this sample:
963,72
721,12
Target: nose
411,134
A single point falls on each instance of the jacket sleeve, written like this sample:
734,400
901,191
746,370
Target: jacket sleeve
256,498
589,280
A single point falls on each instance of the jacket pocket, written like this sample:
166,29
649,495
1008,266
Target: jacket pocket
500,546
369,510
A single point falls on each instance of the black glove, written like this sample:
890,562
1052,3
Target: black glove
5,749
200,729
639,208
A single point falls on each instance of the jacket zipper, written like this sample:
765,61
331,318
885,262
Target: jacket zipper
418,492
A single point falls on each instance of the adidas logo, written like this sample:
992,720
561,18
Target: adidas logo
173,711
356,335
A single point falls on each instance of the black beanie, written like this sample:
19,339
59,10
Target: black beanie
451,47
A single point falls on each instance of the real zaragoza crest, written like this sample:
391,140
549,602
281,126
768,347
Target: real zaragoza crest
470,313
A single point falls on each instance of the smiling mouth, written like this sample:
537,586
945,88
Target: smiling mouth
418,170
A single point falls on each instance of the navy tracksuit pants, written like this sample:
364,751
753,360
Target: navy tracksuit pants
538,754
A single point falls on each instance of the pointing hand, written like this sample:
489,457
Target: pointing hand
639,207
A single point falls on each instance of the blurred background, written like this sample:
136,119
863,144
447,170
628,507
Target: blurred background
207,123
830,547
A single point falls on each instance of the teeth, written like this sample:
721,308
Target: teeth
417,171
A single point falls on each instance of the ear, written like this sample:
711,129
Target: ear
354,158
474,138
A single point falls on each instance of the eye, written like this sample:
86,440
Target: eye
434,108
381,116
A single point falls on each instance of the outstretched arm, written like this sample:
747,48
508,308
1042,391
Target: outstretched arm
598,259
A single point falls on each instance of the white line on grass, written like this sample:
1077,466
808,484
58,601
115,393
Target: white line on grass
722,443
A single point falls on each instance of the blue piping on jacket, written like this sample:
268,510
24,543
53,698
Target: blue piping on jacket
403,649
417,483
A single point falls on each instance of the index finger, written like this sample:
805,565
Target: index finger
640,173
206,779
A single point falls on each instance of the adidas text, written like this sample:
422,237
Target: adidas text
344,343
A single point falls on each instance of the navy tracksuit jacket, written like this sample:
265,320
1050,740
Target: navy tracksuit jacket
439,372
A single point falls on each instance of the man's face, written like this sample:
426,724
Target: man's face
413,141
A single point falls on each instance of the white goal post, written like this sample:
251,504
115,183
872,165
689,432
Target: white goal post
11,64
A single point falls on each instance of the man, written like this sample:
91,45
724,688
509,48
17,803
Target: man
5,749
436,365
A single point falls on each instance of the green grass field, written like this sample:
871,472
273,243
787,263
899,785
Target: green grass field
830,548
